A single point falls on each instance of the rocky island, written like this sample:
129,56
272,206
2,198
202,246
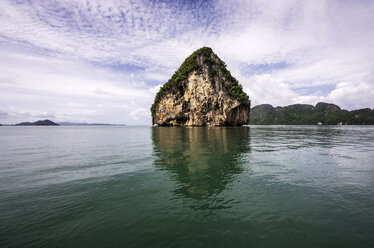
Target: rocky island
202,92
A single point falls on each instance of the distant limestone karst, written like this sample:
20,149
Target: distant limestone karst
303,114
201,93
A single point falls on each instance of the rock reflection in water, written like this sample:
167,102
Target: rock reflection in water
203,161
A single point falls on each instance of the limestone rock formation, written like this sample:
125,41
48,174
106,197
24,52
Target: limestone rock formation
201,93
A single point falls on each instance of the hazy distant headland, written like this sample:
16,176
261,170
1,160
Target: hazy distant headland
87,124
38,123
303,114
51,123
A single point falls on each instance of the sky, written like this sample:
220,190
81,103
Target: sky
104,61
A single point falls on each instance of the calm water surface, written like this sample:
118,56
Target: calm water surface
258,186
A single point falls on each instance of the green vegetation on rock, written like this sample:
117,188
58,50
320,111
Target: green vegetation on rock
203,57
303,114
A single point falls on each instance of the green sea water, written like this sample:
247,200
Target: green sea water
257,186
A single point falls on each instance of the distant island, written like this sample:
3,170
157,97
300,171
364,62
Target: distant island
303,114
38,123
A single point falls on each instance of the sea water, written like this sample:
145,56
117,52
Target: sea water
257,186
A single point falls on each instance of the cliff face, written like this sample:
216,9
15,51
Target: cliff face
201,93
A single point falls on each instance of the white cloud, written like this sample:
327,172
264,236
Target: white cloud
353,95
155,89
348,95
139,113
266,89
